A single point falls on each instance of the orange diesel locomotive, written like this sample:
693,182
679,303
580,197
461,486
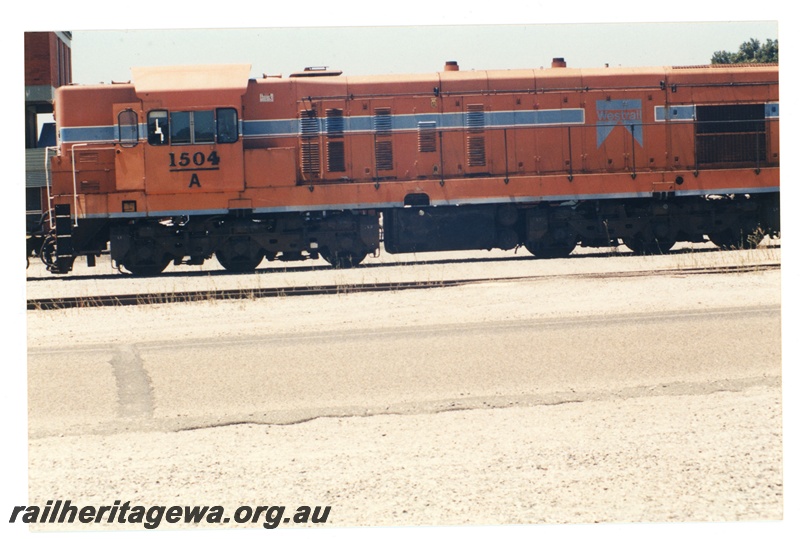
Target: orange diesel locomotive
185,163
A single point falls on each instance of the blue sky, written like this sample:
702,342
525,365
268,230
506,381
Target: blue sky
104,55
364,37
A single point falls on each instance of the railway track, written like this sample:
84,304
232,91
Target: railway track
154,298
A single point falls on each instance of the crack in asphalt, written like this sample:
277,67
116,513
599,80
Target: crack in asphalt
288,418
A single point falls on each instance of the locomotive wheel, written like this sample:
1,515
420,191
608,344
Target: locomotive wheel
146,268
343,259
239,255
641,245
744,238
551,248
655,238
145,260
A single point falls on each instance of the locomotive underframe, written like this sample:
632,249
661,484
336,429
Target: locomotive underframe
241,240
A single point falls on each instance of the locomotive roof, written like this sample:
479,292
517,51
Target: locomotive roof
203,79
173,85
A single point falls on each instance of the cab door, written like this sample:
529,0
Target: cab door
194,151
129,155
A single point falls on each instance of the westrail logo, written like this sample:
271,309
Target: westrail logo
624,112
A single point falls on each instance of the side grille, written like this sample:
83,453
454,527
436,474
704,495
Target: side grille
383,121
384,155
476,142
335,144
384,159
731,134
309,143
426,136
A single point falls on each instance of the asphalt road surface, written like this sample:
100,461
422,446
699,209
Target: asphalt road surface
575,399
192,383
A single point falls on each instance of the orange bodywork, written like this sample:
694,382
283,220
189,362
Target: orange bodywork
190,162
331,142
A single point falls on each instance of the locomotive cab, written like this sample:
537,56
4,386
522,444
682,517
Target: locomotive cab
192,144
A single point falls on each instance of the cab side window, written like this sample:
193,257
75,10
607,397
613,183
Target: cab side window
157,128
193,127
203,132
181,127
227,126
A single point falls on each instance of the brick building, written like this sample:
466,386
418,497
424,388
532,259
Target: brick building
48,65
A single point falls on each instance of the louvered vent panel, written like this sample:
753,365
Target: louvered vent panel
336,156
90,186
335,144
309,147
475,118
427,136
476,142
384,155
384,159
309,126
383,121
335,121
310,151
476,149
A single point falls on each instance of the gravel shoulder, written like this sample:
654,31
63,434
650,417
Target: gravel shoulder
686,458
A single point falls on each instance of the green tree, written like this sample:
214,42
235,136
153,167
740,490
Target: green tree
752,52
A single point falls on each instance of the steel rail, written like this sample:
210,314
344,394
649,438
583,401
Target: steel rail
154,298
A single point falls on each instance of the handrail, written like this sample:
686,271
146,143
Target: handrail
75,183
633,150
47,181
75,176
